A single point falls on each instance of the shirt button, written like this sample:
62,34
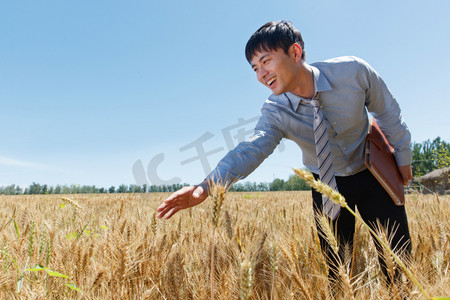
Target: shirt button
345,148
334,123
321,106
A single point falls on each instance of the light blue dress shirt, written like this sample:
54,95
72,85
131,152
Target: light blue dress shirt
348,87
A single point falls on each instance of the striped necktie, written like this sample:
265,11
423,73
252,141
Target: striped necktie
325,161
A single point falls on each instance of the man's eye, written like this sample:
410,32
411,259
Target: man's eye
266,61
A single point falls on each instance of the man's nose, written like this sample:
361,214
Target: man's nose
261,73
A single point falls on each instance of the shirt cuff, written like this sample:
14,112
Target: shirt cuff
403,158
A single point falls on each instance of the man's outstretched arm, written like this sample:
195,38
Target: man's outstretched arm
184,198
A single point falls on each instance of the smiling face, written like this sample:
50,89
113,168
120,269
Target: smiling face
277,70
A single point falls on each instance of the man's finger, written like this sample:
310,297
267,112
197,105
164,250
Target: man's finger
163,205
161,213
172,212
164,209
172,199
173,196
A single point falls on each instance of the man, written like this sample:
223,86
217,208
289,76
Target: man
339,89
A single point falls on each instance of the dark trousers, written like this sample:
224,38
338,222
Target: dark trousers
374,205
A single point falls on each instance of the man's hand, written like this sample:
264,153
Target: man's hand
184,198
406,172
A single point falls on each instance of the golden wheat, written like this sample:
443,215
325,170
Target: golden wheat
112,249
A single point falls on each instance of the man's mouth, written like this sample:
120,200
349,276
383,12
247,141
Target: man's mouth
271,80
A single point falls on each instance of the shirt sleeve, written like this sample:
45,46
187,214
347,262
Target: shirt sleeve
385,109
247,156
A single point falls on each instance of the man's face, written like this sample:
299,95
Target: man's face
275,69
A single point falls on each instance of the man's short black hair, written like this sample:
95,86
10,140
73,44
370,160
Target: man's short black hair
273,36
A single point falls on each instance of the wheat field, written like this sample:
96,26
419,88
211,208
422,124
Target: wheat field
264,246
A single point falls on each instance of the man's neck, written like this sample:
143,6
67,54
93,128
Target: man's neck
305,87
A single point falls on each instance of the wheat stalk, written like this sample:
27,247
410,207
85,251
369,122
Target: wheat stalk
218,196
273,259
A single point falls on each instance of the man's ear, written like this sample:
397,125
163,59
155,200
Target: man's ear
296,51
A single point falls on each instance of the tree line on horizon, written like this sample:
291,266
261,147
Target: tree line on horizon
426,157
292,184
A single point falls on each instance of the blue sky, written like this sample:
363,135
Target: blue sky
89,88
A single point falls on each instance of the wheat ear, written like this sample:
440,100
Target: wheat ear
246,280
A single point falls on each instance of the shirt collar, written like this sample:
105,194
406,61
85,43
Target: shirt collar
320,81
321,84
